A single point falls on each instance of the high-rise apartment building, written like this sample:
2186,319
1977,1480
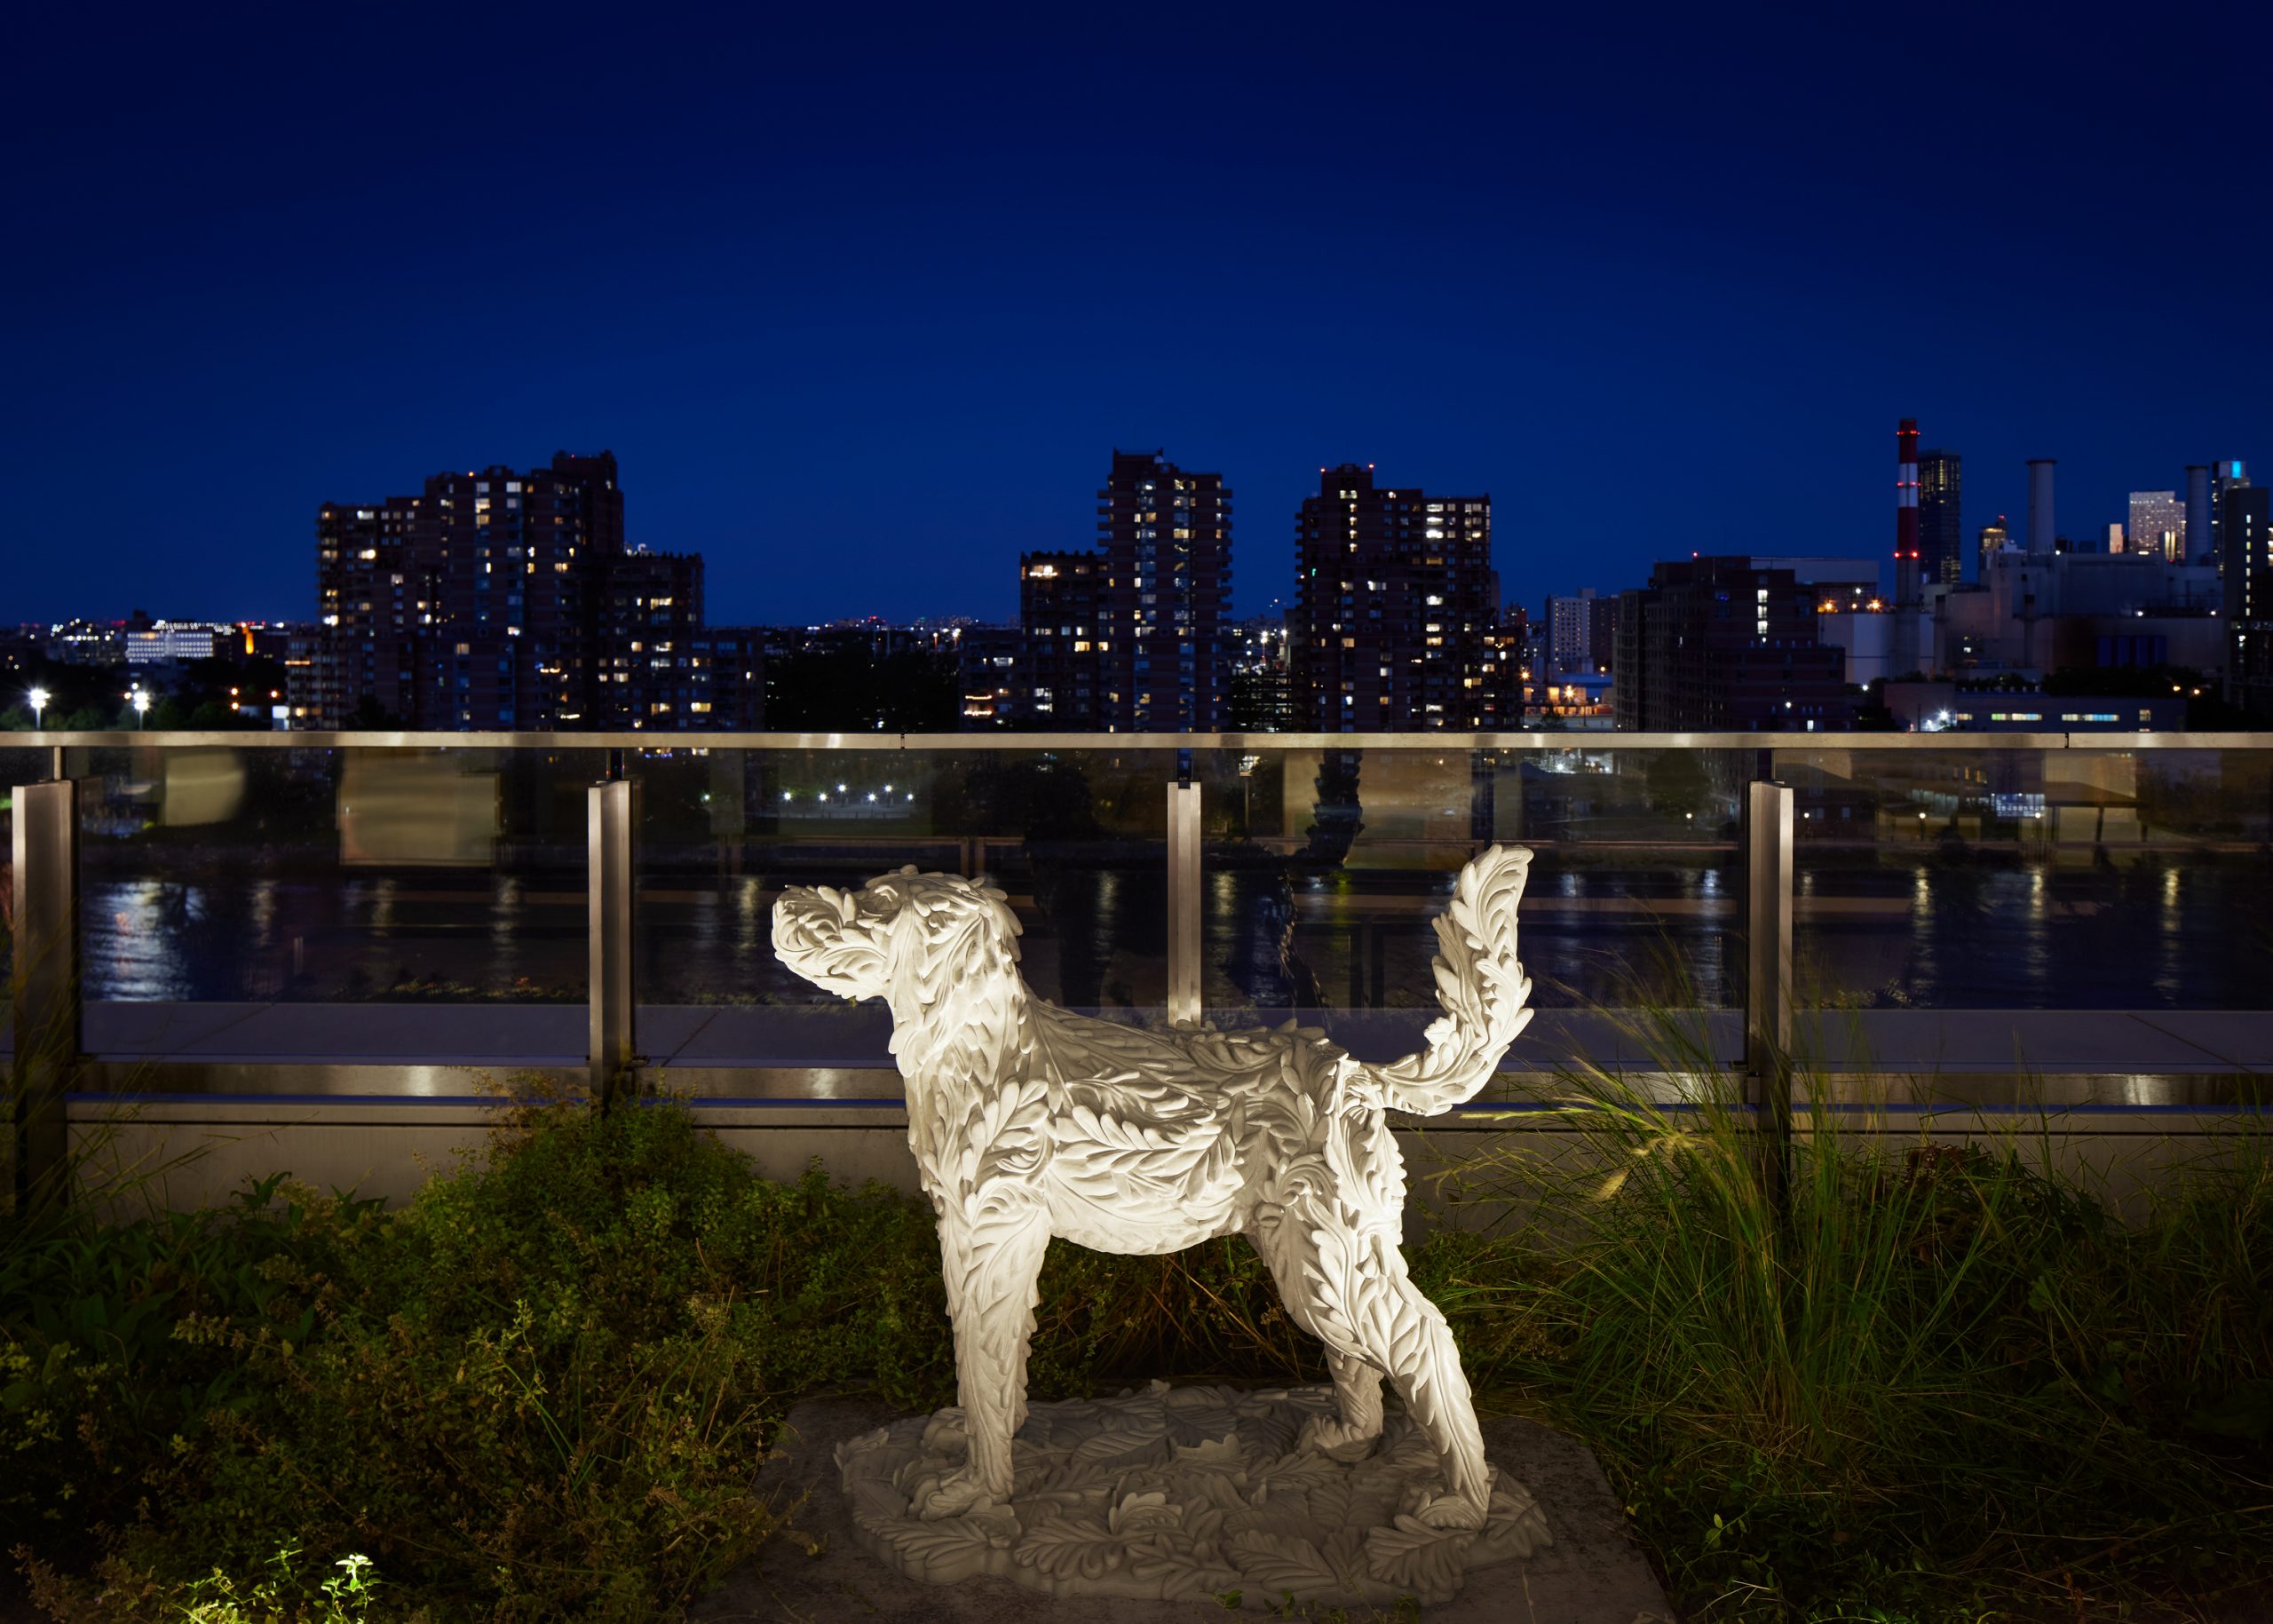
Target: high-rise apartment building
1940,538
505,599
2157,526
377,598
1167,540
1726,645
1263,693
2201,540
1581,634
514,555
1395,603
646,611
1061,612
2246,530
991,681
2228,473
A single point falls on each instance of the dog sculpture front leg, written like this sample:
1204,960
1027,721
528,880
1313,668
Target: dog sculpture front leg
992,1258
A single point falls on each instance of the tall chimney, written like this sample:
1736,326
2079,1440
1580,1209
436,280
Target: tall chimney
2199,543
2040,530
1905,513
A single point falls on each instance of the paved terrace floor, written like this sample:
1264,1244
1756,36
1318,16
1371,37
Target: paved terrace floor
2130,1057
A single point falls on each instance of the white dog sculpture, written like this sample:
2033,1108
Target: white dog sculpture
1028,1122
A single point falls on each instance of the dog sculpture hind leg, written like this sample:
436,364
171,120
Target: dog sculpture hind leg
1331,1210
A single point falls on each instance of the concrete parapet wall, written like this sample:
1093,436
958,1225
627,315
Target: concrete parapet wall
185,1152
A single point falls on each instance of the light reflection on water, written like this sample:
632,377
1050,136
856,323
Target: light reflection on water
2012,933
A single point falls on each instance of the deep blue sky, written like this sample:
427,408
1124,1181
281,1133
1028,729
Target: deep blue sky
863,300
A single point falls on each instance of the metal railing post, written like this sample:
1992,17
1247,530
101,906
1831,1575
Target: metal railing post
44,990
608,834
1184,904
1768,976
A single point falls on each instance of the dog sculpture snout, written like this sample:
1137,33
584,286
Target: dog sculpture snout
824,936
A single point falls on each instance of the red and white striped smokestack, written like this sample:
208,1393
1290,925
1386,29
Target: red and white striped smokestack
1905,489
1906,573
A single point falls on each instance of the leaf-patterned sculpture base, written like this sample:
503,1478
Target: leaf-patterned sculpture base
1184,1494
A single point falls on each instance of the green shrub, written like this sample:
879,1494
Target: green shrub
542,1390
1941,1383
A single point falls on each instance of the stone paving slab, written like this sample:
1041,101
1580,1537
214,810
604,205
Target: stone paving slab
1593,1574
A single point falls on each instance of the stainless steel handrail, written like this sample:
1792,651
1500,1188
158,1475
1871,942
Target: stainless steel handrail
1541,742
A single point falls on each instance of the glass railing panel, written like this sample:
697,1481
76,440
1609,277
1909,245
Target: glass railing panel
2033,879
1326,869
1075,838
259,902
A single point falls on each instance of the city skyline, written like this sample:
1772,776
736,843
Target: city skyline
809,305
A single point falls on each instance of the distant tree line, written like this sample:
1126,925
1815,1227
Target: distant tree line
848,687
201,694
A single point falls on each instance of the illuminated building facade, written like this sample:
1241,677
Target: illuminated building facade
1061,613
515,557
1727,645
1941,540
1396,604
2246,531
2157,526
1993,540
1581,631
1263,697
505,599
375,607
1166,536
646,611
2227,474
992,680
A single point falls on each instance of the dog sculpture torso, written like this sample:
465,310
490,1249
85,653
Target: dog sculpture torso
1027,1121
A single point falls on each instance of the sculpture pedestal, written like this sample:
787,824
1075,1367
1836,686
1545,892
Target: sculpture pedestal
1184,1494
1593,1573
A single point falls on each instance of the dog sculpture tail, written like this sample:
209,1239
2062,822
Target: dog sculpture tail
1483,988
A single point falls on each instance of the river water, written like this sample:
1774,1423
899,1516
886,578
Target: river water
1992,928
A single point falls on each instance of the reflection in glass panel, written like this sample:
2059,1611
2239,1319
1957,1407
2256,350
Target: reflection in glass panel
252,875
1325,868
2090,878
1075,838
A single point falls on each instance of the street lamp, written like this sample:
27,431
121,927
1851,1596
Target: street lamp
141,708
38,698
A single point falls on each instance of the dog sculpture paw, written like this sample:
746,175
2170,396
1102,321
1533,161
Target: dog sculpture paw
1448,1511
1337,1439
953,1495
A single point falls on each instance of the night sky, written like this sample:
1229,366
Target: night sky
863,300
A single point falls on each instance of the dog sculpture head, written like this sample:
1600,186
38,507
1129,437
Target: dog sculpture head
910,938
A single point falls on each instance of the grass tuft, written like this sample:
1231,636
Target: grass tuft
1944,1382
